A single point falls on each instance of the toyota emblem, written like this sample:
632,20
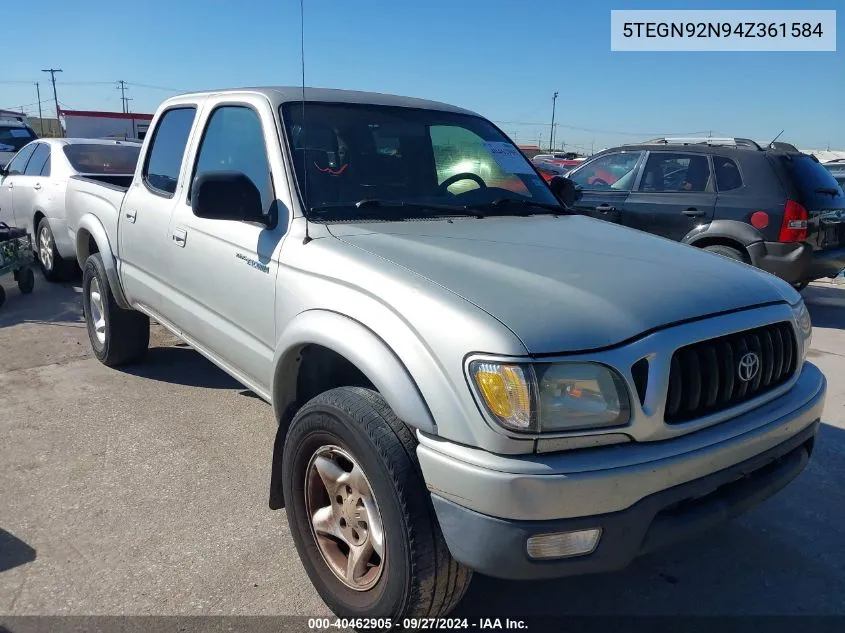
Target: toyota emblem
748,367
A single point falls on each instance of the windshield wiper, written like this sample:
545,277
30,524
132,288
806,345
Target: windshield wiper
830,190
375,209
525,203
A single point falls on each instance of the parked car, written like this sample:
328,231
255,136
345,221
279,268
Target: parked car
772,207
837,168
14,134
464,378
32,191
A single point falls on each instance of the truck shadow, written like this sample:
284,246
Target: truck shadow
826,305
784,557
13,551
182,365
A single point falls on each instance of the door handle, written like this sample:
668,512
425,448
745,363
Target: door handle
605,208
37,186
692,212
11,185
130,214
179,237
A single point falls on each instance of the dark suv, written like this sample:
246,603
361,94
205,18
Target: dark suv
772,207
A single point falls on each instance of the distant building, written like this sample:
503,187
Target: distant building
530,151
45,127
116,125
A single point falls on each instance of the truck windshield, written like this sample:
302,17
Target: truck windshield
348,156
12,138
100,158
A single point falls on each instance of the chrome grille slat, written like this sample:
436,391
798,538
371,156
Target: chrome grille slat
704,377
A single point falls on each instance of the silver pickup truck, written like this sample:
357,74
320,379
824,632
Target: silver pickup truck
465,374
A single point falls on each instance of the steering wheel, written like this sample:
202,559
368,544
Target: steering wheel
599,182
451,180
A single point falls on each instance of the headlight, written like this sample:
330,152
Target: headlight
552,397
803,328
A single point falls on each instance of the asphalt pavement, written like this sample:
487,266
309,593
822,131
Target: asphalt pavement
144,491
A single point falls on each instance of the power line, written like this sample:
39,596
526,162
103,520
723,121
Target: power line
157,87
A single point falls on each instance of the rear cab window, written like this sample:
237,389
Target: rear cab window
167,150
815,185
98,158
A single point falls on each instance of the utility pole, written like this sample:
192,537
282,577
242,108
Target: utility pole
53,72
552,131
122,87
40,118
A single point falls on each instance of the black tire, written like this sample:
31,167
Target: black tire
26,280
2,296
56,268
727,251
799,286
126,335
420,578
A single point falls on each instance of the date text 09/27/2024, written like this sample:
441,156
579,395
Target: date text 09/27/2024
420,624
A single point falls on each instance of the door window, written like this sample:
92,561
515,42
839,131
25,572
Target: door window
39,157
234,141
727,174
611,172
670,172
18,163
164,158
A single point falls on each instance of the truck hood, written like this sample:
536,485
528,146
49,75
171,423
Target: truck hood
570,283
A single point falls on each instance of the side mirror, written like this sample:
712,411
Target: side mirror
227,195
3,171
564,190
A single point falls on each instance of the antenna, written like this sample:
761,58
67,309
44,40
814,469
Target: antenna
304,154
775,138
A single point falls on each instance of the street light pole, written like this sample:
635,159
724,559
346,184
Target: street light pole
552,131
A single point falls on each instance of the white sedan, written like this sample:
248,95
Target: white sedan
32,190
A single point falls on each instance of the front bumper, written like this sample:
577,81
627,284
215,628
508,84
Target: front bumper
487,514
796,262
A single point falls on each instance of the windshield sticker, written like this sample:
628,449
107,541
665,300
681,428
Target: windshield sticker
19,133
509,158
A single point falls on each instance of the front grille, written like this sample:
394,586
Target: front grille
706,377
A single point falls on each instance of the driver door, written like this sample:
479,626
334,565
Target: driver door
605,183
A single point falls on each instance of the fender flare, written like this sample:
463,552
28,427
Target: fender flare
360,346
727,230
90,225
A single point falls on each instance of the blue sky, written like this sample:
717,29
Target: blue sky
502,58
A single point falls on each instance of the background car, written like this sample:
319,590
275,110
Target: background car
14,134
773,207
837,168
32,191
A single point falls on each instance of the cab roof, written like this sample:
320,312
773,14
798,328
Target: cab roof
278,95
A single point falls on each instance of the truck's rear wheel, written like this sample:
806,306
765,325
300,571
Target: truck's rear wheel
117,336
360,514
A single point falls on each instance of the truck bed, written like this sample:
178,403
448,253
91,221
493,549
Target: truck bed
97,195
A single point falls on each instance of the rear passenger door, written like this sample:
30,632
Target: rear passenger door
674,194
146,210
605,183
224,270
13,179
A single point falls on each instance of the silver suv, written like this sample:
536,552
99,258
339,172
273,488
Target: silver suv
466,375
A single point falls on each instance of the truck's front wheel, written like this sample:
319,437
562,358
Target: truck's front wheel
117,336
360,513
